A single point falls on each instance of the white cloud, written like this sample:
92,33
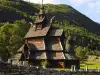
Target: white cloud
76,2
91,4
87,12
45,1
79,2
95,5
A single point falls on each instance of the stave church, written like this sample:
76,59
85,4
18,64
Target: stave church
45,43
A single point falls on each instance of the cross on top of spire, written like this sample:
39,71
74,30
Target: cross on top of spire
42,4
42,1
42,8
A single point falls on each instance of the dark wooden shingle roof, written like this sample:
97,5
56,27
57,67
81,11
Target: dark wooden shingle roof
37,33
54,44
32,47
70,56
55,32
21,49
38,55
55,55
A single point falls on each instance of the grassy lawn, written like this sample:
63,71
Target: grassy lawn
90,64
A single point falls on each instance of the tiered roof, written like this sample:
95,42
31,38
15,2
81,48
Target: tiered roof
55,32
37,33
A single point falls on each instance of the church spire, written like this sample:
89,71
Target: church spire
41,18
42,8
42,4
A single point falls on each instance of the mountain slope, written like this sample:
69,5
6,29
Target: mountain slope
68,13
11,10
14,10
15,17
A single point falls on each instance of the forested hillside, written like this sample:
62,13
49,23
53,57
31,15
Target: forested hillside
15,16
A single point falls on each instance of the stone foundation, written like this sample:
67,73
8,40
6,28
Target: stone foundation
32,70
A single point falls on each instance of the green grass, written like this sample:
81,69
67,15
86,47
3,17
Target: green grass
90,65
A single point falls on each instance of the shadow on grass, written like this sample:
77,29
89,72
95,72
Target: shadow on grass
82,65
85,62
88,63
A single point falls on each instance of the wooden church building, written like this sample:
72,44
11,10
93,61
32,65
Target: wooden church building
43,42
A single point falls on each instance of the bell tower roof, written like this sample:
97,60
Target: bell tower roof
41,19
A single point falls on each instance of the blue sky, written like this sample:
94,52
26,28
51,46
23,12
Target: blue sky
90,8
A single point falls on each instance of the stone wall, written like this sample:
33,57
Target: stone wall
30,70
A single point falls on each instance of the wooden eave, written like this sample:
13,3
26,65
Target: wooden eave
39,20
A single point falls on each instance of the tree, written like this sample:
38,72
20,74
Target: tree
81,52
